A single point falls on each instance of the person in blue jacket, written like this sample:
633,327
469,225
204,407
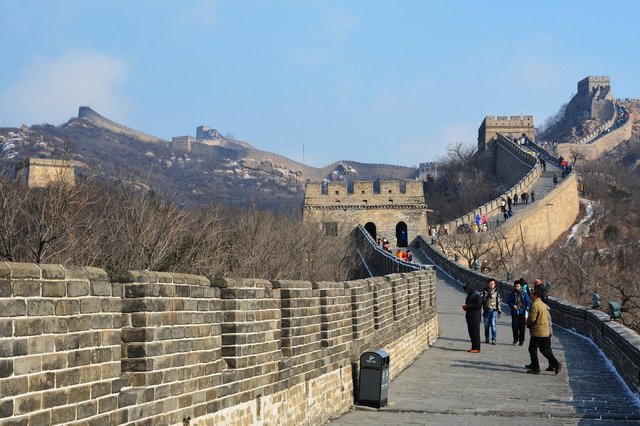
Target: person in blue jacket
519,303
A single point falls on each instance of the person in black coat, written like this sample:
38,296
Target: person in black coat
473,308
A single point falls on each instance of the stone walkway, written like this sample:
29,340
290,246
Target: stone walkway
447,385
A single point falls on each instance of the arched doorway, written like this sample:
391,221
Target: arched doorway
371,229
401,234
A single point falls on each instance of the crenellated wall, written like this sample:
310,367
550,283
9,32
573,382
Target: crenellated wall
162,347
517,170
599,146
386,206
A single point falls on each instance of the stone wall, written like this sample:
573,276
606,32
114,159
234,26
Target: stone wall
87,113
619,343
164,347
516,165
601,145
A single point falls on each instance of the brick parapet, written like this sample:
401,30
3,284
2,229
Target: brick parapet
161,347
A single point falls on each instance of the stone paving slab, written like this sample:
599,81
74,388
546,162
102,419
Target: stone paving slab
448,385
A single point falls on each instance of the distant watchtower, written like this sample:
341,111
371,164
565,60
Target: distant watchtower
594,99
509,126
387,210
41,172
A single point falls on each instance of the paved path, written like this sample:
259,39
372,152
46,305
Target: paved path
447,385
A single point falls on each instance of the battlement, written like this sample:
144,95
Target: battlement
588,84
515,125
367,188
512,121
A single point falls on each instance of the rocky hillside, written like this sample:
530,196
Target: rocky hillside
232,172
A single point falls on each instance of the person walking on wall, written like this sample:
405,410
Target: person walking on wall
533,196
538,323
492,310
473,314
519,303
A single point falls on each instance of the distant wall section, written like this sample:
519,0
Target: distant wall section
89,114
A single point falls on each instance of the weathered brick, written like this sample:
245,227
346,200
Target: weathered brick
79,394
102,321
13,307
67,377
24,270
56,325
27,365
101,288
41,344
6,367
100,389
63,414
26,288
55,361
52,272
41,418
67,307
28,327
77,288
27,404
6,329
87,409
40,307
90,305
54,289
107,405
14,386
79,323
40,382
20,347
5,288
6,408
54,398
79,358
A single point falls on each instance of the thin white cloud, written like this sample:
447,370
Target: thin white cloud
50,90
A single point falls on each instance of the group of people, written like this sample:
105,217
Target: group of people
528,310
567,168
441,230
404,255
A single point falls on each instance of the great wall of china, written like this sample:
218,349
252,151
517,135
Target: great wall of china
166,348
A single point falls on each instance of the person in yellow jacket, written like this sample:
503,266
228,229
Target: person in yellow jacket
538,324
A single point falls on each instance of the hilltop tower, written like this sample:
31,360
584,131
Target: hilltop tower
389,209
514,126
594,99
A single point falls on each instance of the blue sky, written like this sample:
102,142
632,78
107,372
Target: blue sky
373,81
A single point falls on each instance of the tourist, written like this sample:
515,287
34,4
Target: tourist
515,199
533,196
544,164
399,254
525,197
538,283
509,202
473,314
492,310
519,303
555,179
538,324
409,256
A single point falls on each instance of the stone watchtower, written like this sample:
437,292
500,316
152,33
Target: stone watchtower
393,209
594,99
514,126
41,172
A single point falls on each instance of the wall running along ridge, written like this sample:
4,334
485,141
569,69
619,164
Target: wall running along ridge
76,348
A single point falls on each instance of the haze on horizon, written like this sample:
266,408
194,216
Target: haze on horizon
375,82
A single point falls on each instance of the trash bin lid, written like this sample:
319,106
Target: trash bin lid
374,359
